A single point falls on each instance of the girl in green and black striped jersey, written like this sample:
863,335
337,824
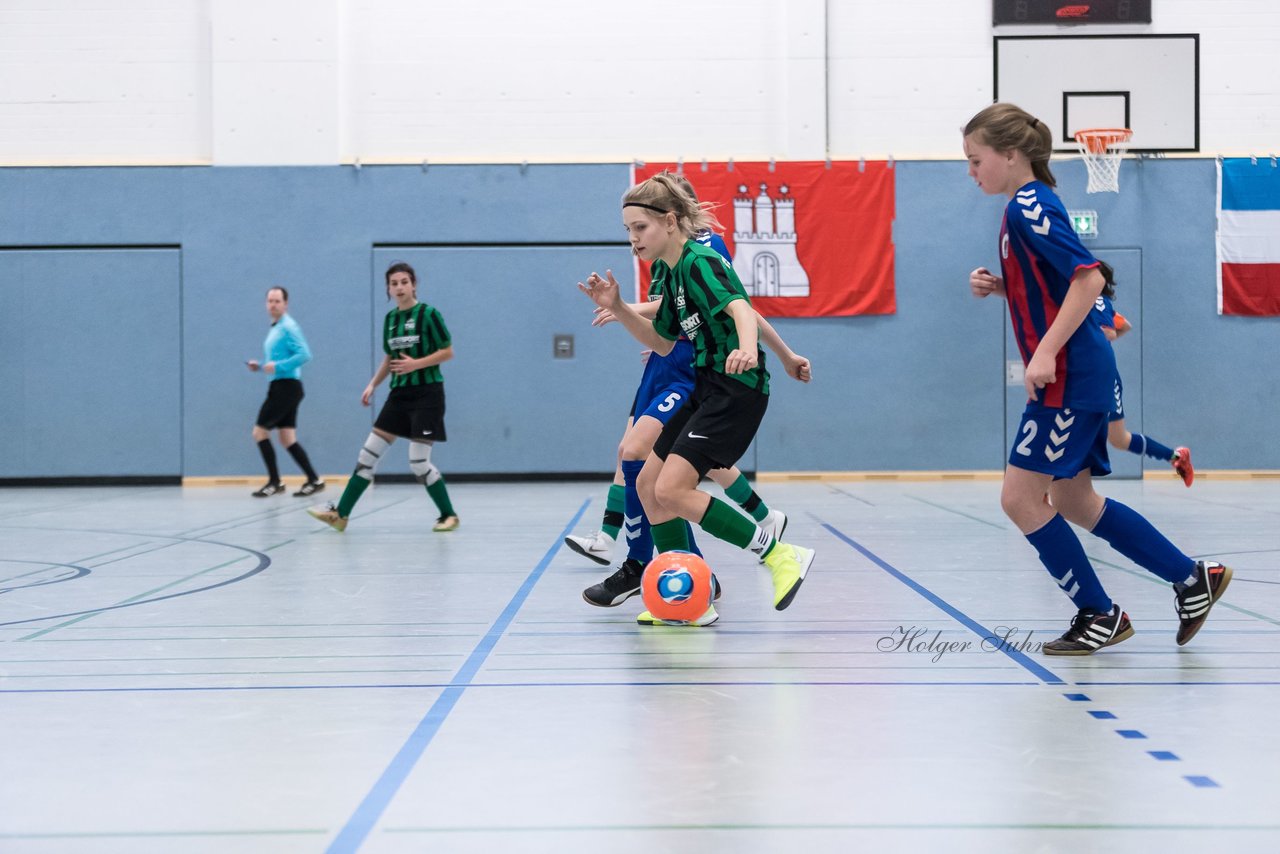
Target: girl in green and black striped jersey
703,299
415,341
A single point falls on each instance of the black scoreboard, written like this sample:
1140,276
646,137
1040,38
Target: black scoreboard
1004,12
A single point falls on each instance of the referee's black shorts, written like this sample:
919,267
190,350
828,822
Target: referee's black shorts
415,413
280,409
716,426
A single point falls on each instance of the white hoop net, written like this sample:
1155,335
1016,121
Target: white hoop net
1102,149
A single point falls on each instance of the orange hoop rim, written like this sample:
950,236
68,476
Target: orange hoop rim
1098,140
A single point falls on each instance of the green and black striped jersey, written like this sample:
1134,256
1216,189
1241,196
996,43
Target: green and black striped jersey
418,331
694,296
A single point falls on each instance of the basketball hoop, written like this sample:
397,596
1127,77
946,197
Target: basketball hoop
1101,149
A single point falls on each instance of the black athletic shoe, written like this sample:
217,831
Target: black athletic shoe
269,490
1090,631
311,487
715,587
617,588
1193,602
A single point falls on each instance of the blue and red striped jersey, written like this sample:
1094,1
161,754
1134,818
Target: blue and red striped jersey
1039,255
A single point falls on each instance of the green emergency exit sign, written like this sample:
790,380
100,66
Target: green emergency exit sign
1085,223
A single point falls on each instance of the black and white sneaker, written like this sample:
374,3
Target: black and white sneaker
311,487
1090,631
269,490
1194,601
597,546
617,588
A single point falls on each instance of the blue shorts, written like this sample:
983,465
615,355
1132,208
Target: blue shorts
666,385
1117,414
1061,442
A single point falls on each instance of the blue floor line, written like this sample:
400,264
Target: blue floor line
1019,657
362,821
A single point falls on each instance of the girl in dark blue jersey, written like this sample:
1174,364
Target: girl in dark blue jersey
1114,324
1051,283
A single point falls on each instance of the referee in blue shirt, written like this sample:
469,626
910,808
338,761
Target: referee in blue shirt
285,351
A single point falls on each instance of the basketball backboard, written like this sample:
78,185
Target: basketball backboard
1149,83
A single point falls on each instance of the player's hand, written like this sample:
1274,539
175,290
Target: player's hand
603,291
983,283
603,317
1041,371
739,361
367,397
799,368
644,356
1110,333
269,368
253,365
402,364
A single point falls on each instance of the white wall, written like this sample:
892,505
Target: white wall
276,93
104,81
326,81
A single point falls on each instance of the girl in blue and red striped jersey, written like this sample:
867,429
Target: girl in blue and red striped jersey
1051,283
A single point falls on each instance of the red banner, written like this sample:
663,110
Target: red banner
808,239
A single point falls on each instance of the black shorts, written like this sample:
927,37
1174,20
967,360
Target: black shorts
280,409
715,428
414,412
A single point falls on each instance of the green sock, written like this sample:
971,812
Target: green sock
440,495
745,497
670,536
723,522
355,488
614,506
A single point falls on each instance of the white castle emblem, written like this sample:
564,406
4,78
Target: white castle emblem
764,242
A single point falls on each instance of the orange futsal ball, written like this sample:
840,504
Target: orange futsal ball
676,587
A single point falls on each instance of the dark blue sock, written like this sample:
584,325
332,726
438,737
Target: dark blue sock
1061,553
1133,536
1140,444
636,524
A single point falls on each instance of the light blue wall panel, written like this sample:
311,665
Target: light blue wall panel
92,362
1211,382
920,389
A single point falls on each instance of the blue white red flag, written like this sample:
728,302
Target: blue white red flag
1248,236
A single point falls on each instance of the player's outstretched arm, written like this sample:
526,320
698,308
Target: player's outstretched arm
797,367
603,291
647,310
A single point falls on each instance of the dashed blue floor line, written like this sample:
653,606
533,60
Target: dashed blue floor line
357,828
1199,781
1040,672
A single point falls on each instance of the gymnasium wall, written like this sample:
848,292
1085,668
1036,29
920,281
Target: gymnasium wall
165,271
133,293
